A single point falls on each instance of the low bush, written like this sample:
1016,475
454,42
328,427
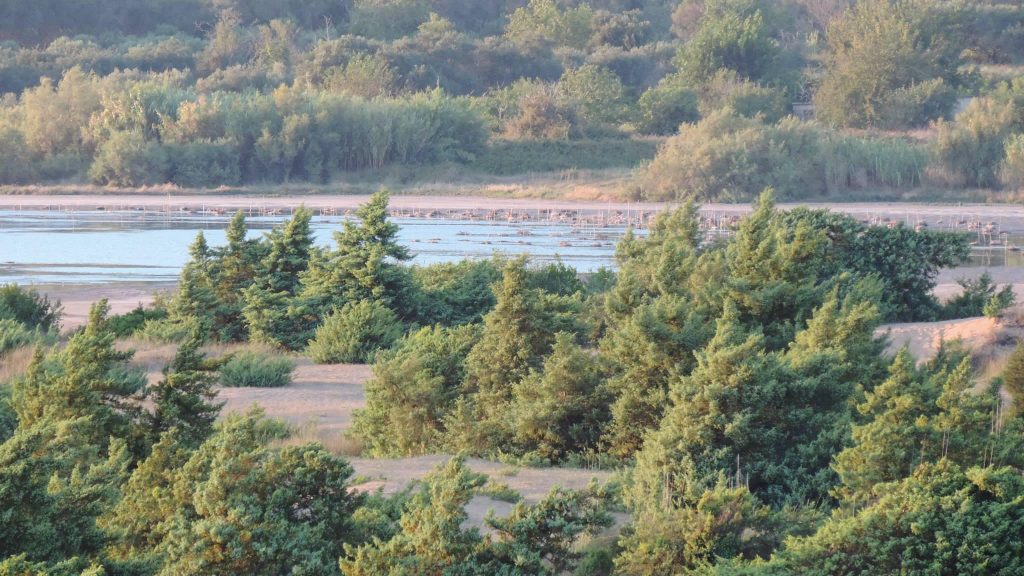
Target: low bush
970,151
980,297
14,335
252,369
730,157
29,308
355,333
127,324
164,330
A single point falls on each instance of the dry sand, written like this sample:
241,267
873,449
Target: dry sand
122,297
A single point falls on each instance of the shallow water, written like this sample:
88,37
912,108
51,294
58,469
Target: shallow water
55,247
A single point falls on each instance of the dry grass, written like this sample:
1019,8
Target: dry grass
14,363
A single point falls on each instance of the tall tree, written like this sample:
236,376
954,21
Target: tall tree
363,264
273,313
183,398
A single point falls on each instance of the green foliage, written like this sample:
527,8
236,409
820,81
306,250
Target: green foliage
663,108
365,75
183,399
534,539
29,308
727,90
925,416
507,157
942,519
14,335
728,157
595,93
1012,171
563,407
272,312
732,35
979,297
853,162
127,159
130,323
971,150
88,379
237,504
354,333
543,22
890,65
256,369
54,483
413,388
1013,379
363,264
514,340
719,523
456,293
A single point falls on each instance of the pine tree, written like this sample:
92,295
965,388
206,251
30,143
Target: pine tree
183,398
940,520
275,509
513,342
1013,379
563,408
233,271
273,312
413,390
363,264
90,379
431,539
290,248
195,303
54,483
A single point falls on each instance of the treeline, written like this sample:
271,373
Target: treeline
310,90
738,383
130,132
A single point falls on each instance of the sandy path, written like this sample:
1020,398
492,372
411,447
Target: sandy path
923,338
321,397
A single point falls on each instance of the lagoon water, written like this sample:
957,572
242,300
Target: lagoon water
80,247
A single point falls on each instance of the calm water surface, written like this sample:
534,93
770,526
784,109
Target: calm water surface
47,247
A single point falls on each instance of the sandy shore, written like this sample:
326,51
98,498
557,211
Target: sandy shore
78,299
1009,218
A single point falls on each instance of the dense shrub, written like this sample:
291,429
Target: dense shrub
507,157
164,330
127,159
254,369
28,307
1012,172
856,162
127,324
970,151
726,156
726,90
979,296
663,108
15,335
354,333
204,164
891,65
